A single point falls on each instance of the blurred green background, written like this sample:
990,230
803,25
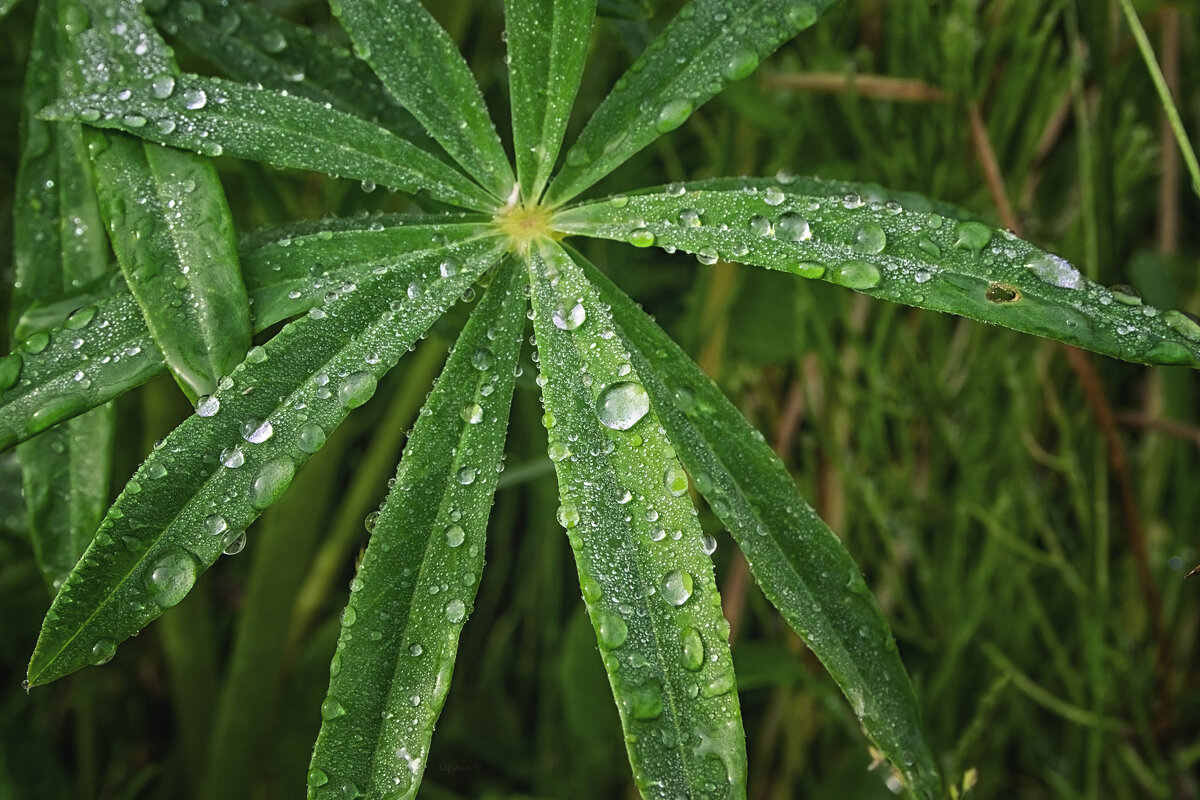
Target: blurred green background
1024,515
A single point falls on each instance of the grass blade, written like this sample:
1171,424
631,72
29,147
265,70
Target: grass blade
801,565
888,251
238,454
547,47
647,582
103,349
171,230
391,672
420,65
65,472
709,44
212,117
252,45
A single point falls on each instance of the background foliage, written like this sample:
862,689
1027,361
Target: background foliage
1024,516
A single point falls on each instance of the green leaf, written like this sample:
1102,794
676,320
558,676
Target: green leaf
420,65
103,348
213,117
59,246
801,565
420,572
547,47
709,44
171,230
253,45
236,456
647,582
919,258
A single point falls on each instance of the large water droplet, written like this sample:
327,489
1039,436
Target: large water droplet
171,577
621,405
793,228
675,480
693,649
643,702
773,196
641,237
102,652
972,236
472,413
1183,323
317,778
162,86
856,275
455,536
456,611
1055,271
257,431
332,708
677,587
741,65
233,457
79,318
215,525
357,389
569,318
672,115
271,482
870,238
310,438
612,630
194,99
1126,295
10,369
207,406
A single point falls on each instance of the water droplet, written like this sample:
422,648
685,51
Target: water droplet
332,708
257,431
448,267
171,577
708,543
800,16
1055,271
310,438
856,275
761,226
569,319
349,616
156,471
455,536
36,343
273,41
677,587
558,451
568,516
102,652
357,389
773,196
641,237
611,629
370,521
1126,295
675,480
972,236
456,611
723,683
690,218
162,86
235,545
675,189
621,405
870,238
256,355
215,525
643,702
472,413
741,65
10,369
693,649
233,457
271,482
793,228
317,777
79,318
673,114
207,406
194,99
466,476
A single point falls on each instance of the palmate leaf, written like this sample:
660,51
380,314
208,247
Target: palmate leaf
646,580
420,65
252,45
919,258
418,578
211,116
801,565
709,44
65,472
547,47
103,349
219,469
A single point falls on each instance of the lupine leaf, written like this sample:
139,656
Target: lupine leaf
418,578
420,65
647,582
236,456
103,349
173,236
919,258
59,246
213,117
801,565
253,45
709,44
547,46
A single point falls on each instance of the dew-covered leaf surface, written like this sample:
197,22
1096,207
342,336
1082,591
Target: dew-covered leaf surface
884,249
416,585
103,349
547,47
252,45
420,65
800,564
647,581
212,117
211,477
709,44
